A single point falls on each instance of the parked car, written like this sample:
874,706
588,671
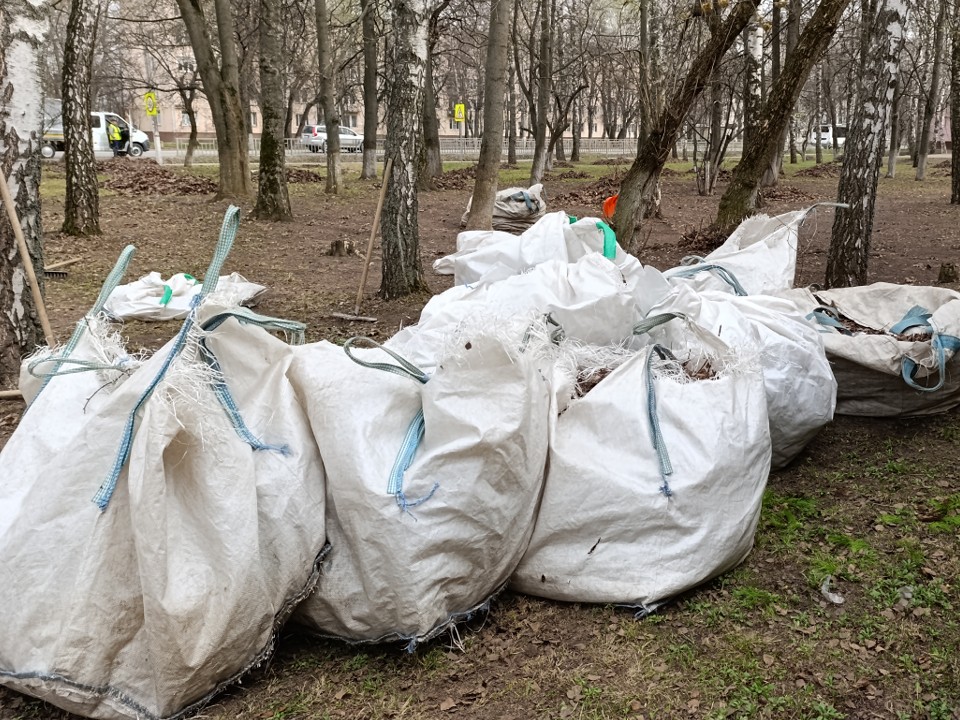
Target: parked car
138,144
826,136
314,138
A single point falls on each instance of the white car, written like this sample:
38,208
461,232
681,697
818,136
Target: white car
314,138
826,136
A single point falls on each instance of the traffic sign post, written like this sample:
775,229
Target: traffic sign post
153,110
459,116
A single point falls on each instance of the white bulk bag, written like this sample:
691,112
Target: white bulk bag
202,538
800,388
515,208
909,364
654,484
589,299
153,298
759,258
424,532
92,362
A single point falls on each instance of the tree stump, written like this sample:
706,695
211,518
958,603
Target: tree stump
948,274
342,248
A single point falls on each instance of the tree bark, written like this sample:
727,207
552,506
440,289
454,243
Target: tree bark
81,209
494,91
894,150
852,227
639,188
544,91
371,103
512,116
23,28
752,90
740,198
930,101
221,82
771,176
402,267
273,201
433,165
328,101
793,37
955,111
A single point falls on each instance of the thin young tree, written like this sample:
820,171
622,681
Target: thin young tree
853,226
371,103
494,92
639,187
740,198
328,101
544,89
273,201
402,266
220,74
931,95
81,206
955,109
23,27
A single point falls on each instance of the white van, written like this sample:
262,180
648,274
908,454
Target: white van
53,135
826,136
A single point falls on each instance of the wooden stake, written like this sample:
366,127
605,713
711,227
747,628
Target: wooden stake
373,235
27,263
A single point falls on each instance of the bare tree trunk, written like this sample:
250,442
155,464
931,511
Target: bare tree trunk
371,117
273,202
433,167
639,187
771,176
221,81
328,101
23,28
187,97
894,150
955,111
740,198
852,227
81,210
491,146
577,130
930,101
512,116
818,114
752,101
402,267
793,37
544,85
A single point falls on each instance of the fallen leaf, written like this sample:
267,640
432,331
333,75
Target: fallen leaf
448,704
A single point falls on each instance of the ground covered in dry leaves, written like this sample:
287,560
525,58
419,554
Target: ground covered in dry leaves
873,503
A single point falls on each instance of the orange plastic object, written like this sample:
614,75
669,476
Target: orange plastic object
610,206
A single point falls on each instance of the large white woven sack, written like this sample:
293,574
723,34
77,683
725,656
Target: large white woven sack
800,388
909,365
515,209
153,298
623,523
589,299
759,258
172,584
414,551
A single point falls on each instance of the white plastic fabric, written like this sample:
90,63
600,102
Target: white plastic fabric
515,208
588,298
869,368
761,254
484,257
143,299
612,528
800,388
147,608
405,572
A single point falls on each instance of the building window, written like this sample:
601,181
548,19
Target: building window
299,119
184,119
253,119
351,120
186,64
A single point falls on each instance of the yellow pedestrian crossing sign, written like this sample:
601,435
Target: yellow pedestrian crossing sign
459,112
150,103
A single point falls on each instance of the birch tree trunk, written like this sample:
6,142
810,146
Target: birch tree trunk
930,101
752,100
793,37
221,82
512,115
331,114
852,227
639,188
740,198
494,92
273,201
894,150
402,267
23,28
371,118
771,175
955,110
544,87
81,208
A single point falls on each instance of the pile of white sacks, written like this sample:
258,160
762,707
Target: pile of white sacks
564,421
